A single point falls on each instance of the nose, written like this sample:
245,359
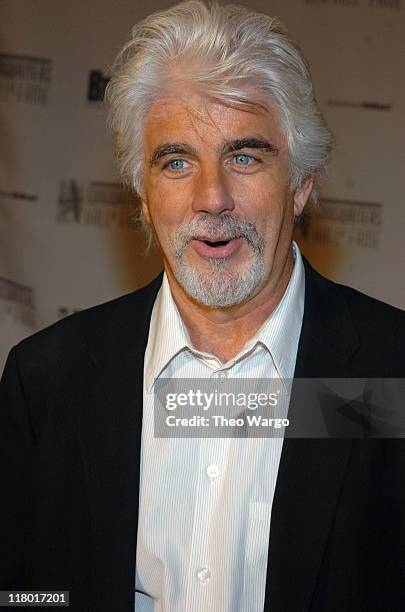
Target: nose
212,194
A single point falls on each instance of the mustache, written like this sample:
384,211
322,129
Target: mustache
216,228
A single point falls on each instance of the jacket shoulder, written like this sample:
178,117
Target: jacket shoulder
360,304
380,326
68,338
367,305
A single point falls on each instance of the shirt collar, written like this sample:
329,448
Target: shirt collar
281,331
279,334
168,335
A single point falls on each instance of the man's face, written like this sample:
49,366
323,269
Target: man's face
218,199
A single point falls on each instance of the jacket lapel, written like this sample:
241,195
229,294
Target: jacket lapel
110,425
311,470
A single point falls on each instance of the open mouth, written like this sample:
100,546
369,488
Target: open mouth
217,243
216,248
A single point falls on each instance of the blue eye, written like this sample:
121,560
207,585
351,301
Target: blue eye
243,159
177,164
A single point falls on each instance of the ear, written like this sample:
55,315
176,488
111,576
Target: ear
301,195
145,208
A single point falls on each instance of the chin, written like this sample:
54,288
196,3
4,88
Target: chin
221,287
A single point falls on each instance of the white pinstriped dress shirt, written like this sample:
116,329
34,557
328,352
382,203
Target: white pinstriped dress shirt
205,504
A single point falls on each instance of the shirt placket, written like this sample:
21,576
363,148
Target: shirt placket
204,589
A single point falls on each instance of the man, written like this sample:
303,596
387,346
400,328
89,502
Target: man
218,131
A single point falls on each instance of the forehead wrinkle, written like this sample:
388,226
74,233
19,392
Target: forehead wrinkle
207,118
201,119
198,115
188,115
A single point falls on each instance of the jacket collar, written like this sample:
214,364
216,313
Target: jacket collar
311,470
328,335
109,406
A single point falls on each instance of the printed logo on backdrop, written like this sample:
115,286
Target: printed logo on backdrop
97,84
18,195
384,4
366,105
95,203
17,302
24,79
339,2
70,201
343,223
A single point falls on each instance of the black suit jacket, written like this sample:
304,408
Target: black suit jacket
70,434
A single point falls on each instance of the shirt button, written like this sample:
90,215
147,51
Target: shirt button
213,471
204,575
223,374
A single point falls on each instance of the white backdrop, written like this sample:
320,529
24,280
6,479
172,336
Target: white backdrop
66,241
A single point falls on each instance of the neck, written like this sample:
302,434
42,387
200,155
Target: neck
224,331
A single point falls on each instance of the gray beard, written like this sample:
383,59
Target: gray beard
223,286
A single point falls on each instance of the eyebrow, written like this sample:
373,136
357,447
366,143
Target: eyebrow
249,143
179,148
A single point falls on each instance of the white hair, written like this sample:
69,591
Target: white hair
225,52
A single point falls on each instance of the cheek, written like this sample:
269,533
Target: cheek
170,202
262,201
166,209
